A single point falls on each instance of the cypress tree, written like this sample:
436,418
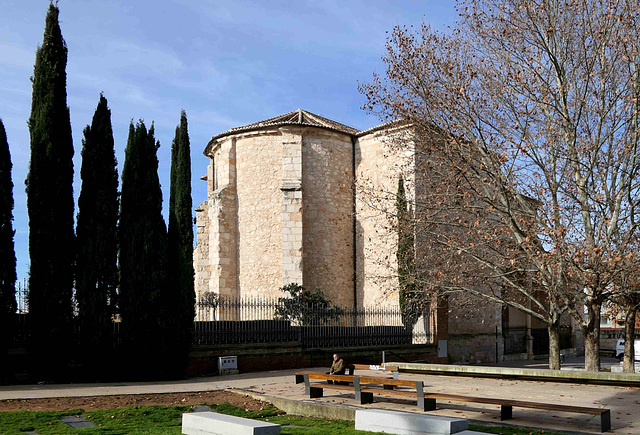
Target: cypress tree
7,249
181,294
50,201
142,259
405,255
97,267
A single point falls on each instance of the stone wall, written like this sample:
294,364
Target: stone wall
280,210
202,266
378,168
223,220
327,183
259,198
474,348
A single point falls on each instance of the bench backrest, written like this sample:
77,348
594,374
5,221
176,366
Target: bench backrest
322,376
386,381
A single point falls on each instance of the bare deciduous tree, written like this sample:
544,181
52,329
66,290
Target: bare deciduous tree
534,104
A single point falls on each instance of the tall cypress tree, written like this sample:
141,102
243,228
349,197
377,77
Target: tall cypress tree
50,200
405,256
97,267
143,254
181,294
7,248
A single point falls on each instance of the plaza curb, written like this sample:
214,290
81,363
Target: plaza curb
304,407
573,376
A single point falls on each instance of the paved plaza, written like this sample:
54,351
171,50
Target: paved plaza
279,388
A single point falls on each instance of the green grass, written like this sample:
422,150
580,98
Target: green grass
163,420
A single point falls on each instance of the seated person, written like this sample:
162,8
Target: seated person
338,367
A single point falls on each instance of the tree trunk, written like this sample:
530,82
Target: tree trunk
554,346
591,332
629,332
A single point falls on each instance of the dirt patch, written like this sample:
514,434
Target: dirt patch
104,402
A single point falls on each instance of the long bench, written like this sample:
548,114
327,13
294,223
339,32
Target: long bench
506,406
363,393
365,387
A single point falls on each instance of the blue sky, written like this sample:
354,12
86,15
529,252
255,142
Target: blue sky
226,63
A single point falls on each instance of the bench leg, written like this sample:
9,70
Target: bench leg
506,412
307,384
429,404
314,393
395,375
366,398
388,387
299,379
605,420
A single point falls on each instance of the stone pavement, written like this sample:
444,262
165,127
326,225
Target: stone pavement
279,388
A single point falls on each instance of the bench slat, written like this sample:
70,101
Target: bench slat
322,376
404,393
386,381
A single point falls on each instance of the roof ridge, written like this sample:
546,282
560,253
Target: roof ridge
296,117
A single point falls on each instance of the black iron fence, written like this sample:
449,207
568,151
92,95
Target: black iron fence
261,320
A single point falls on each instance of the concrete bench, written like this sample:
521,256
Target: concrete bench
377,367
204,423
506,406
397,422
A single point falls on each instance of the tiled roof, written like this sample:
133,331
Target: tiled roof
297,117
386,125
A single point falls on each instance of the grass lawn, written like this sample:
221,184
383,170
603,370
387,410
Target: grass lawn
139,420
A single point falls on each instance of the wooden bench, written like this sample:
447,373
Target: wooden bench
365,387
362,387
506,406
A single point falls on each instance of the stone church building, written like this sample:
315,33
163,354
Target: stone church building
301,198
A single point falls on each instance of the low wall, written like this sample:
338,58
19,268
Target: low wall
203,359
571,376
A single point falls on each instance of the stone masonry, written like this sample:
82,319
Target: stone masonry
299,198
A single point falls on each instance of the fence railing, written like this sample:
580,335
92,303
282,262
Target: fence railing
261,320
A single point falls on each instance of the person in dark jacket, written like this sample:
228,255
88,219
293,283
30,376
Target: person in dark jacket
337,368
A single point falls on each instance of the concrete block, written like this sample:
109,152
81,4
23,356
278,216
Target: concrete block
76,421
407,423
204,423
